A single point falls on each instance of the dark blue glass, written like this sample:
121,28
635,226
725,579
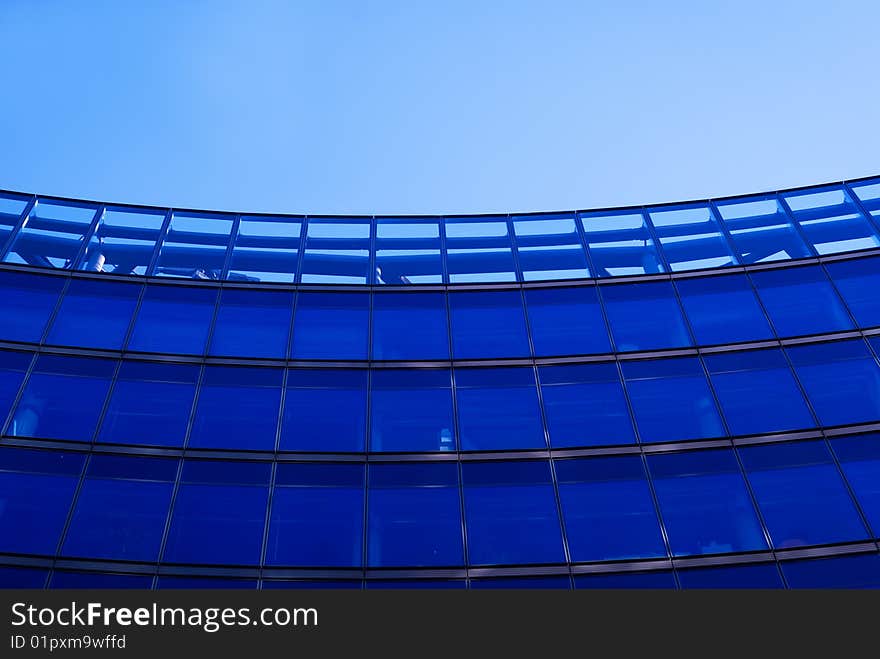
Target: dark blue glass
488,324
608,510
317,517
862,571
121,509
410,326
21,577
324,410
585,405
671,399
36,489
510,512
312,584
62,398
219,513
13,366
757,392
498,409
173,319
629,580
860,460
28,302
644,316
204,583
521,583
414,515
252,324
566,321
237,408
411,410
416,584
756,575
704,503
331,326
723,309
94,314
150,404
857,281
801,301
841,380
801,495
77,580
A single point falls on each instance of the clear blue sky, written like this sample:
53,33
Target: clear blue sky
420,107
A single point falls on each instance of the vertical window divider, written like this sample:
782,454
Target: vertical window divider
16,400
301,252
230,247
722,227
872,221
652,231
76,261
163,232
69,518
585,244
783,204
19,224
106,404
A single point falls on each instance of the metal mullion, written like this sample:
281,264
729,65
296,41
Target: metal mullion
799,230
19,225
301,252
872,221
160,240
585,244
175,488
69,518
87,236
19,394
230,247
514,250
644,211
722,227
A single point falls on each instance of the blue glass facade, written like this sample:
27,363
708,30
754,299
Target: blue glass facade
681,396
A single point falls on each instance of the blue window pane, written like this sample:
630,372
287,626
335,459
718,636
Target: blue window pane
868,193
94,314
13,366
704,503
410,326
78,580
337,251
150,404
28,301
757,392
621,245
671,399
801,301
121,509
549,247
498,409
510,512
123,242
204,583
237,408
608,510
408,251
317,516
411,410
585,405
566,321
488,324
51,235
414,515
11,208
841,380
629,306
761,230
800,493
628,580
331,326
173,319
691,238
36,488
831,221
195,246
861,571
518,583
723,309
860,460
20,577
479,250
252,324
416,584
324,411
312,584
857,281
266,249
219,513
62,398
759,575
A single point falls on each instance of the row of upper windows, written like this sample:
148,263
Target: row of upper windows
520,512
425,410
730,308
762,228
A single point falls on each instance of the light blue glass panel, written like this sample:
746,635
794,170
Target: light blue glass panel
691,239
265,250
549,247
621,244
52,235
761,230
195,246
831,221
123,242
408,251
337,251
479,250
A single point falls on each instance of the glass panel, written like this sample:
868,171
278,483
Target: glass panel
510,512
831,221
204,583
11,209
13,366
860,460
416,584
408,251
28,302
488,324
723,309
62,398
479,250
761,230
173,319
410,326
498,409
757,575
585,405
621,244
608,510
691,239
629,306
123,242
671,399
150,404
324,410
252,324
94,314
629,580
85,580
265,250
312,584
519,583
566,321
704,503
195,246
869,194
414,516
337,251
317,516
861,571
411,410
237,408
331,326
757,392
19,577
549,247
858,281
52,235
